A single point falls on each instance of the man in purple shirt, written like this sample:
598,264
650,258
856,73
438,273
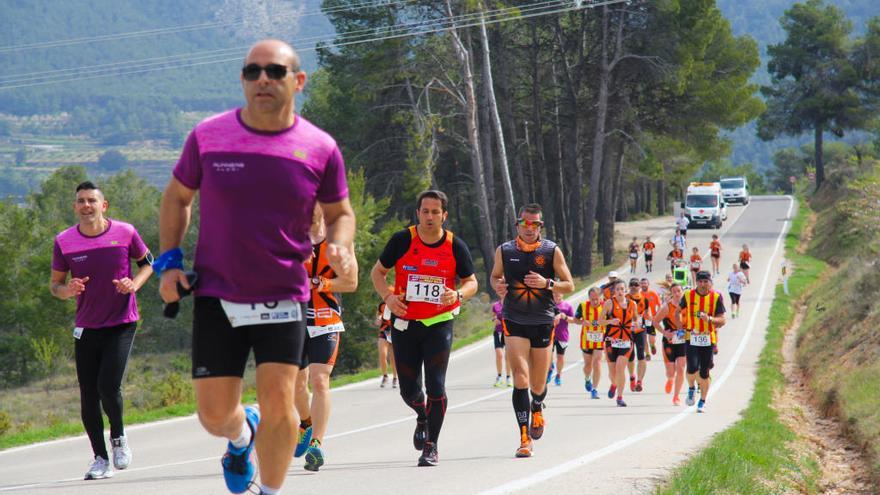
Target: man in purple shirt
97,252
259,170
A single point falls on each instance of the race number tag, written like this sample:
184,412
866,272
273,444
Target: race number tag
701,339
621,343
595,337
241,314
78,333
317,331
424,288
633,256
649,251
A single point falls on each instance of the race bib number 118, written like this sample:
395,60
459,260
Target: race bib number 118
424,288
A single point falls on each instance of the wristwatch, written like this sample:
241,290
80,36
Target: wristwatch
550,283
460,297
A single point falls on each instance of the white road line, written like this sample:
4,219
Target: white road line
589,457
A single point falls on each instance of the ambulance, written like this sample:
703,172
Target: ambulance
704,205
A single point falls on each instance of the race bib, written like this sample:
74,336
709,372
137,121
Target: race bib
649,251
78,333
701,339
678,338
633,256
595,337
317,331
241,314
424,288
621,343
695,265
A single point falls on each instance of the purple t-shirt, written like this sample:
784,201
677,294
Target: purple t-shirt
102,258
257,193
498,308
561,330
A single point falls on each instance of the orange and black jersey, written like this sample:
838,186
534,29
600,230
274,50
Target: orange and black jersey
676,254
523,304
745,256
641,311
324,307
623,329
648,246
715,247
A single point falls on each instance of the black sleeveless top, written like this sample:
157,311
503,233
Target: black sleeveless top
525,305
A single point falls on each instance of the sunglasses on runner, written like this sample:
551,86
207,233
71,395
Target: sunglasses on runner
251,72
522,222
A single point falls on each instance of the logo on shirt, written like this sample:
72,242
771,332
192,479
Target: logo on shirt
540,260
410,268
113,243
228,166
513,259
300,154
80,259
430,262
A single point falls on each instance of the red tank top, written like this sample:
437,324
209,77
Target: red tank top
422,273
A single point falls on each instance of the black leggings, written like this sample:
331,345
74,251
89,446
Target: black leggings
101,356
419,346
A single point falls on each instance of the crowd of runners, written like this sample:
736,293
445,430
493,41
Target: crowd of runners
273,192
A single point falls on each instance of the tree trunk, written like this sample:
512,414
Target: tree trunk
661,197
487,237
820,158
496,120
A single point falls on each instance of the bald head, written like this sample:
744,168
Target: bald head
274,49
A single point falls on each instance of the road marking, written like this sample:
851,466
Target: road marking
589,457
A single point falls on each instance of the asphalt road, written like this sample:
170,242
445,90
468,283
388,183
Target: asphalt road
589,445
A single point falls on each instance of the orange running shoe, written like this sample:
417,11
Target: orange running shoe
668,386
676,401
525,446
537,429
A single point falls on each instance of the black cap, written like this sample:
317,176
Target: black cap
704,275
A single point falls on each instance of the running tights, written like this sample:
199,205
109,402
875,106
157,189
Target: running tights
101,356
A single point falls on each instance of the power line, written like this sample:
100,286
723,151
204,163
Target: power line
221,55
189,27
469,20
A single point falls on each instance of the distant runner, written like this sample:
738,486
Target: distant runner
696,264
715,254
383,347
648,248
590,315
745,261
500,353
560,335
633,254
735,283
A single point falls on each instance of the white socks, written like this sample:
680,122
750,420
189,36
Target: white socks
244,438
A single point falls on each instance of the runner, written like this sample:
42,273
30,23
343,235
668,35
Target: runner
703,315
97,252
525,275
500,354
682,224
257,198
590,315
695,264
675,344
608,286
654,303
735,283
674,257
678,240
633,254
745,261
639,336
426,259
560,334
383,346
715,254
648,248
666,286
324,332
619,334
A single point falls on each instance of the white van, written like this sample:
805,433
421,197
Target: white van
735,189
704,205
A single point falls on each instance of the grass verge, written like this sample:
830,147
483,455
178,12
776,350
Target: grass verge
752,456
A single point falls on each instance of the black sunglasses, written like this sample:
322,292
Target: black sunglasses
251,72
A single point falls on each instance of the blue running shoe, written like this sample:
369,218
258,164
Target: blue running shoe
690,398
238,468
303,437
595,394
558,380
588,384
314,457
701,406
612,391
550,373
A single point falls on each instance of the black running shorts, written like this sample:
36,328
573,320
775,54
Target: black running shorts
560,347
498,339
321,349
671,351
618,352
743,265
539,335
639,339
699,358
218,349
734,297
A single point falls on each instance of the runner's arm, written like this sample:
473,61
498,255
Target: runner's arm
340,220
175,212
566,283
497,276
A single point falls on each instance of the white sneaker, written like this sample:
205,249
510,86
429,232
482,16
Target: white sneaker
121,452
394,382
99,469
384,381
